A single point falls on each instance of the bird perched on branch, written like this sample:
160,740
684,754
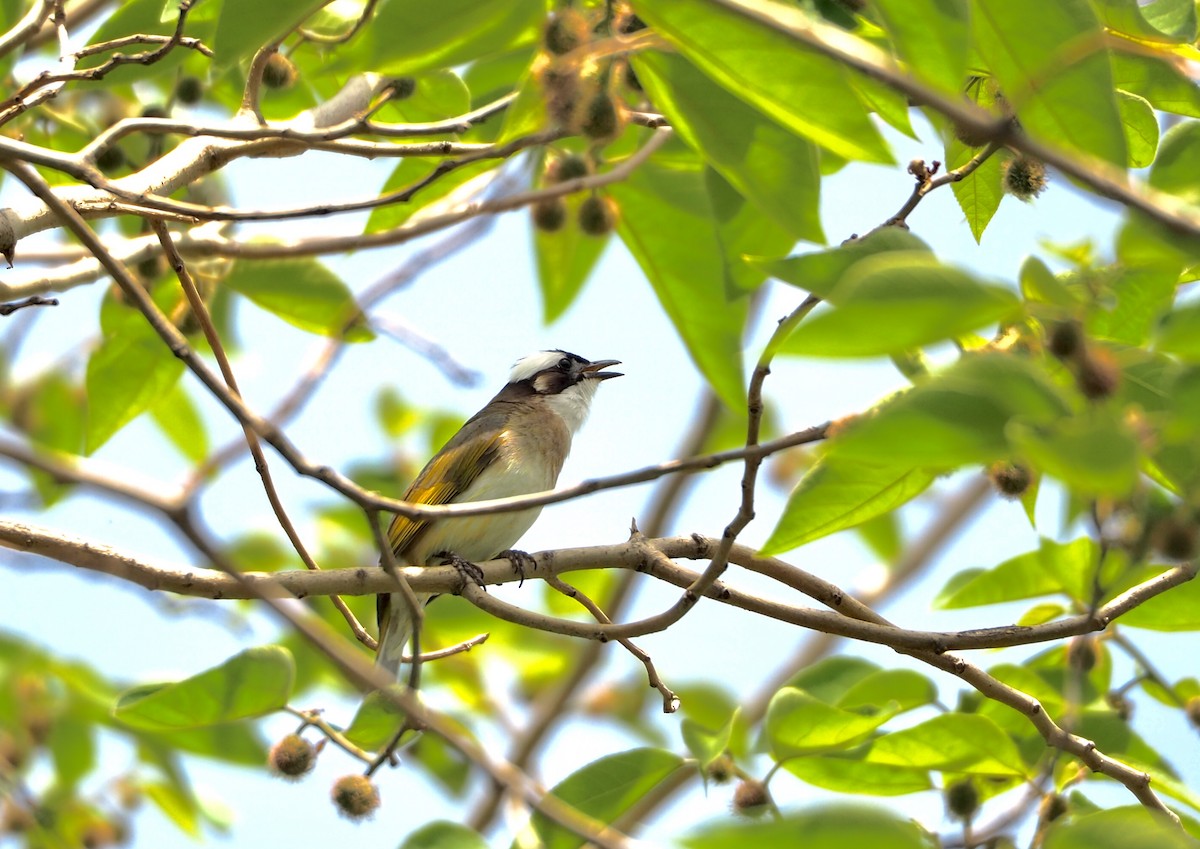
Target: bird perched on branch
515,445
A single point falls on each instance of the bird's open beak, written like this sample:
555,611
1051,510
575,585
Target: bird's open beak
593,370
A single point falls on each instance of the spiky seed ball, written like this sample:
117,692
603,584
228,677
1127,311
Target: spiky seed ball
565,30
1024,177
570,166
154,110
15,818
962,799
403,88
189,90
1175,536
1081,653
98,833
549,214
601,119
1053,806
562,89
750,797
292,757
355,796
279,73
1099,374
597,215
1066,340
1011,480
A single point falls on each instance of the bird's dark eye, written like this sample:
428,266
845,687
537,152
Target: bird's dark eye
564,364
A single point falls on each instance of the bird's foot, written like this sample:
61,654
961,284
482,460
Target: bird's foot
520,560
468,572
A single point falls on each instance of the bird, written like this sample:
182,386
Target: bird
515,445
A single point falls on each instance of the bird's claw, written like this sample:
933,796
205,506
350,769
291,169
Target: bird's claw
520,560
467,571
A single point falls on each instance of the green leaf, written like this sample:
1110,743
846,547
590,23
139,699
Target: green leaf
1038,283
1132,827
1096,454
952,742
565,259
1180,332
839,493
605,789
1054,567
1174,170
72,745
770,166
980,192
412,170
799,724
820,272
819,827
742,230
831,678
931,37
1178,609
902,687
705,744
1158,81
242,28
127,372
890,303
410,36
252,683
442,834
302,292
1039,614
178,807
956,417
1169,21
179,419
375,722
882,535
664,211
1059,98
1141,128
1142,295
798,87
843,773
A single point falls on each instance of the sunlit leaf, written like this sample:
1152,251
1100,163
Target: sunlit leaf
839,493
931,37
799,724
442,834
302,292
1131,827
844,773
1062,100
819,827
126,373
889,303
1054,567
242,28
663,211
800,88
952,742
902,687
254,682
604,789
770,166
955,417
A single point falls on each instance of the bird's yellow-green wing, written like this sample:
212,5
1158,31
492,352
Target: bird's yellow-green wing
447,475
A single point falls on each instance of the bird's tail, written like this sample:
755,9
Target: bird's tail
395,631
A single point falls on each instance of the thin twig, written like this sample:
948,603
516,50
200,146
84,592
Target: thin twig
200,311
31,301
670,700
